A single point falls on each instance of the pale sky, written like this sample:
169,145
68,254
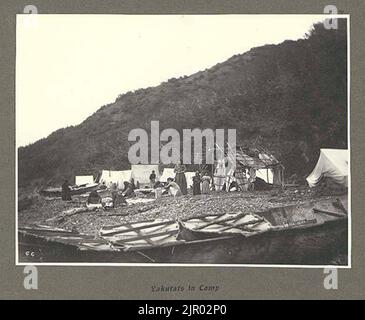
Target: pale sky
68,66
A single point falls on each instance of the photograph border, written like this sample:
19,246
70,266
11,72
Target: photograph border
198,265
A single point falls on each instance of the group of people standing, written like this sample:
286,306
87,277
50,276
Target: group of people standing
202,180
179,186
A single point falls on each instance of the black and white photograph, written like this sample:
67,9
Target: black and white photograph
184,140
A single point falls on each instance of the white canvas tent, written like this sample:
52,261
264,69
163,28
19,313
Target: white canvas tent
167,173
189,178
80,180
141,173
333,164
265,174
111,176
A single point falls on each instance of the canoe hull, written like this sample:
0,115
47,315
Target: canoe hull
57,192
312,246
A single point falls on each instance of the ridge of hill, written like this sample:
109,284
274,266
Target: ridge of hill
289,99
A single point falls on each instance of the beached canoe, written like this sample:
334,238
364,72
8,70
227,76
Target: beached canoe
310,234
74,190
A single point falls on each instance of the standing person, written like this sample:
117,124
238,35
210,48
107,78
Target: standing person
133,186
252,178
152,179
114,190
205,183
66,192
173,188
180,178
196,184
220,175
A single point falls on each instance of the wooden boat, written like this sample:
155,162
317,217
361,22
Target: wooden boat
75,190
310,234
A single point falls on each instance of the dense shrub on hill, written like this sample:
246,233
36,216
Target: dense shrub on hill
290,99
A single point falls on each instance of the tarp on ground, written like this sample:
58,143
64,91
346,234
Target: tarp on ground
333,164
112,176
79,180
141,173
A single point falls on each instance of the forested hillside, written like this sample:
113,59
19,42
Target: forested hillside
290,99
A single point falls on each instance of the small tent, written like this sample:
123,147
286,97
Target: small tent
333,164
141,173
112,176
80,180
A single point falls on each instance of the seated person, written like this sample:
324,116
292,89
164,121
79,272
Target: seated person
94,200
128,189
173,188
117,198
119,201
